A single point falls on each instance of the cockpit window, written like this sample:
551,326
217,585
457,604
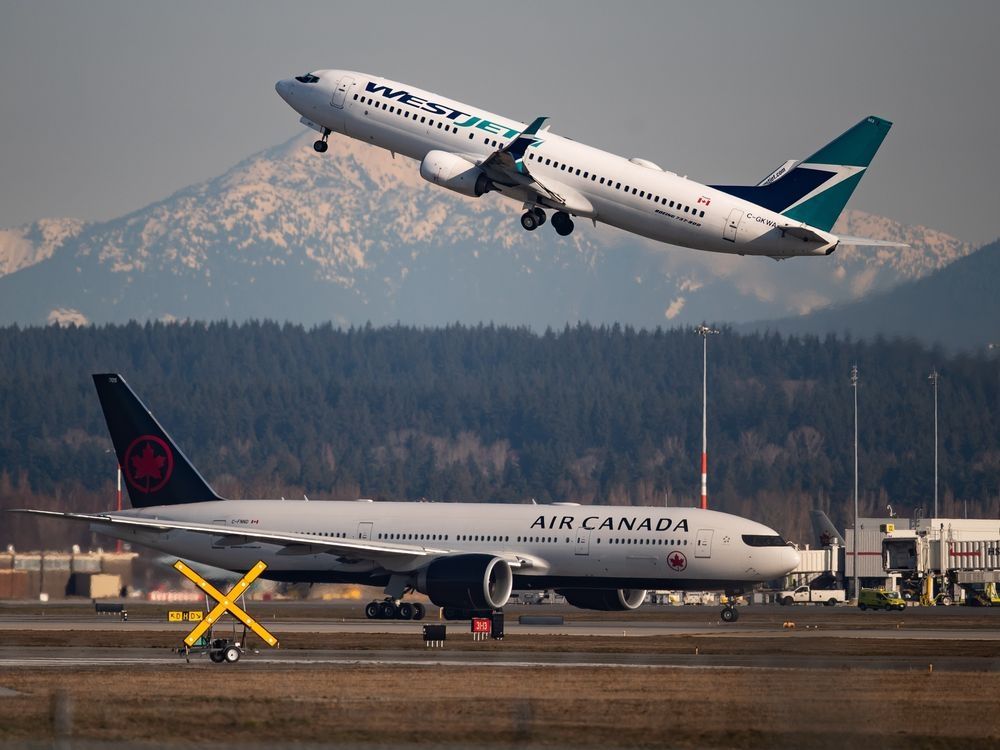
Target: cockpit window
762,540
307,78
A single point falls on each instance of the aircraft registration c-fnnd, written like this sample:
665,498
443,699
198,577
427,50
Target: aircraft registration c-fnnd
466,557
474,152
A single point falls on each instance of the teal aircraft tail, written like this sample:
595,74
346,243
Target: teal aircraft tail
815,191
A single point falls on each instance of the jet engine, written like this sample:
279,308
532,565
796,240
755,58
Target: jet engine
455,173
475,582
606,600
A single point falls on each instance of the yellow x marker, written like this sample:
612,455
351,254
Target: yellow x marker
226,603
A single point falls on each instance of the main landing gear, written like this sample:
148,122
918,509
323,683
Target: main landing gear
389,609
535,217
321,144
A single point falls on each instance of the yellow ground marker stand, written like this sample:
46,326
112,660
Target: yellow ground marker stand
226,603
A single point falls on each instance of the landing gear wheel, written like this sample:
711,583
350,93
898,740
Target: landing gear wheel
730,614
372,610
529,221
320,146
405,611
419,611
231,655
387,611
539,214
562,223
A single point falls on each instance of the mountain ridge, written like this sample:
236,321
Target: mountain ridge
358,236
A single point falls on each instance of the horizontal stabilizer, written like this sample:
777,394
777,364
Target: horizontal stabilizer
865,242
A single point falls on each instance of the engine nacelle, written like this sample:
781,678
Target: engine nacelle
455,173
467,582
605,600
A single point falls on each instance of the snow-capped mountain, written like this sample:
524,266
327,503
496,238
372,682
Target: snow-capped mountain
356,235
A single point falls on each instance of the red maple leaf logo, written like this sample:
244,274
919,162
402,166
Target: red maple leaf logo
149,462
677,561
148,465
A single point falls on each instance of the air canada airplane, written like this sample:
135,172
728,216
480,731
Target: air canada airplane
473,152
466,557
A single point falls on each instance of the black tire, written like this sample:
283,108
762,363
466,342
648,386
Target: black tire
529,221
730,614
387,611
539,214
900,607
862,607
372,610
419,610
320,146
405,611
216,656
831,602
231,655
562,223
787,601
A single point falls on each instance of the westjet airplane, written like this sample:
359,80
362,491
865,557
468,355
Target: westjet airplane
466,557
474,152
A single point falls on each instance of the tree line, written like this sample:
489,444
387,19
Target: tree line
591,414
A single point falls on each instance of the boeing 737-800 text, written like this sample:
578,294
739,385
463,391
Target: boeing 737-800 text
466,557
474,152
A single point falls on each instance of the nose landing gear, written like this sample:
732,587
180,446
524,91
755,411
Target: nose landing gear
321,144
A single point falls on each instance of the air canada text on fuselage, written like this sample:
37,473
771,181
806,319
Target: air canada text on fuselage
609,523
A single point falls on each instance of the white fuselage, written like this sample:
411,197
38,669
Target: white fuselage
634,195
560,545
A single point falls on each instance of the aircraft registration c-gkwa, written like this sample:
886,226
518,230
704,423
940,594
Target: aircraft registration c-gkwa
473,152
466,557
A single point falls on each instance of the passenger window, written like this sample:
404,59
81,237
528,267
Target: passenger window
702,214
642,193
547,162
470,136
602,180
618,186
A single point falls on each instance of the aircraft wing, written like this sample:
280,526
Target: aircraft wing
294,543
506,165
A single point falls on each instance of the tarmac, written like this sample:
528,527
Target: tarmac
822,638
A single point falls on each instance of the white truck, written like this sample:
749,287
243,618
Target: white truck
806,595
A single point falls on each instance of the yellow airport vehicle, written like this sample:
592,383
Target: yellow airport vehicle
880,599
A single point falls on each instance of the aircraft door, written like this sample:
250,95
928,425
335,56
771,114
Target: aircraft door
703,545
732,224
365,530
583,542
340,93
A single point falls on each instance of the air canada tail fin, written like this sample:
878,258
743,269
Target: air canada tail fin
156,471
815,190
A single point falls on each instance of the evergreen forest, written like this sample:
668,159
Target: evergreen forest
506,415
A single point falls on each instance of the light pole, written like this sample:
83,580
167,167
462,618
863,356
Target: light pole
704,331
854,385
933,377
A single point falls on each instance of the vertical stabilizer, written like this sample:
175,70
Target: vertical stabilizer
156,471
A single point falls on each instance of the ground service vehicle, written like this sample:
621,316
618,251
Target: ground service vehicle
880,599
806,595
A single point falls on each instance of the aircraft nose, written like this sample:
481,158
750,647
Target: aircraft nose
284,88
790,559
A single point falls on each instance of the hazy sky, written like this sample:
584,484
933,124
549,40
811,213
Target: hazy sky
107,106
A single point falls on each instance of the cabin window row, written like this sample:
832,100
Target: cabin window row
407,114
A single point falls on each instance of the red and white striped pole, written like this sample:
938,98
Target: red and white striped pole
118,546
704,331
